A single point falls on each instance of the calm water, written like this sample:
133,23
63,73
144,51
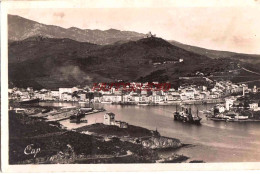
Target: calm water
211,141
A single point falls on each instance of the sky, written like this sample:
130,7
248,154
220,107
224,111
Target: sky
234,29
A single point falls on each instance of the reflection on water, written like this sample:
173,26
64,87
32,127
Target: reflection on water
212,141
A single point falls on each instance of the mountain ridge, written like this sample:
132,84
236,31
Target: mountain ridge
20,28
96,36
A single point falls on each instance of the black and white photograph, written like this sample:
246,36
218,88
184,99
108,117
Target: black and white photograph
132,84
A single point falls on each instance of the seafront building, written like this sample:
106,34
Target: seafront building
109,119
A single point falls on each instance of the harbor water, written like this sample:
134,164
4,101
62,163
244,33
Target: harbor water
211,141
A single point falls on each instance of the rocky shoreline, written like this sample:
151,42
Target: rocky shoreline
137,135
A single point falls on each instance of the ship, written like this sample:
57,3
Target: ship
225,115
186,116
228,116
29,101
76,118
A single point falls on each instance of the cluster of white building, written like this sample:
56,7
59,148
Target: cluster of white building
123,95
232,102
183,93
62,94
227,87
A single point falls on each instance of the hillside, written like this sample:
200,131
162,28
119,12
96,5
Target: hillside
51,63
203,51
40,47
20,28
215,54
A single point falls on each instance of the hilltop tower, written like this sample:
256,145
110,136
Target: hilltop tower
149,34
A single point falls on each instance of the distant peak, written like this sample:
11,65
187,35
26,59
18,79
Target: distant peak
154,38
74,28
154,41
112,30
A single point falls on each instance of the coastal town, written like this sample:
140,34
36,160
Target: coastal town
231,103
134,94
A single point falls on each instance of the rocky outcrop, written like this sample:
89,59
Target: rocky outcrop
161,142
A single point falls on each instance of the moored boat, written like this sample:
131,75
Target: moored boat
106,102
228,116
29,101
143,103
186,116
86,110
76,118
241,117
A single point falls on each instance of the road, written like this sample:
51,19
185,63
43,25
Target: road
250,71
257,73
249,81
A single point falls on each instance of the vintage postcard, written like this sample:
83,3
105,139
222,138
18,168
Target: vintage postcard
130,85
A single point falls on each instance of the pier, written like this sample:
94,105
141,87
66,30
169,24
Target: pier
68,114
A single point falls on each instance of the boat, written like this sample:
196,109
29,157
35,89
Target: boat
241,117
83,121
143,103
29,101
127,103
69,107
76,118
186,116
159,102
206,112
86,110
228,116
226,119
45,111
106,102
